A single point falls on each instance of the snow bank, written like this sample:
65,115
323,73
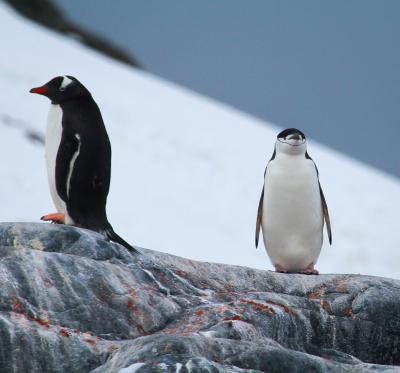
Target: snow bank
187,170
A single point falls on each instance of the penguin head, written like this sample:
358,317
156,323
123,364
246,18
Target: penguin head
61,89
291,141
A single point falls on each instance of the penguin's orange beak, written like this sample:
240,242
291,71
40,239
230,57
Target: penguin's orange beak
39,90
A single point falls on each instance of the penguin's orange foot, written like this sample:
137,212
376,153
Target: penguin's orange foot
280,269
56,218
309,270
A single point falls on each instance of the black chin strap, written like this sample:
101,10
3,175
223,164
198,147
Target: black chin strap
284,142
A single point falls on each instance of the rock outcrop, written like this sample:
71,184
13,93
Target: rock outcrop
48,14
72,302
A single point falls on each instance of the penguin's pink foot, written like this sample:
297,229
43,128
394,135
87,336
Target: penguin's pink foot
56,218
310,270
280,269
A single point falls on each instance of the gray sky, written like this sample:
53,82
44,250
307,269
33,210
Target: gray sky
330,68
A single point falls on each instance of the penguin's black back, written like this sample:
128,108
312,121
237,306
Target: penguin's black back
89,181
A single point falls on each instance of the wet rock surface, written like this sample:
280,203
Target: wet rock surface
72,302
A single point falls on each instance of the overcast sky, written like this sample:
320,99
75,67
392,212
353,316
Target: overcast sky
330,68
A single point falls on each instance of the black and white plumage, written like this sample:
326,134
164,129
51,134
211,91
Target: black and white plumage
292,207
78,157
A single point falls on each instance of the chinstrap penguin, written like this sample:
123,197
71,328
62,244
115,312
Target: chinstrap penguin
292,207
78,157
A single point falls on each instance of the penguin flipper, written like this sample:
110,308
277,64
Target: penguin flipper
326,214
259,216
112,236
323,204
69,146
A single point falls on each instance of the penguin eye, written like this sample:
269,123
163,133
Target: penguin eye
62,88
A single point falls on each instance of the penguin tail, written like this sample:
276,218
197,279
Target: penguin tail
112,236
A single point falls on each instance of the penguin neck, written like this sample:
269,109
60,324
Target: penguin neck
75,100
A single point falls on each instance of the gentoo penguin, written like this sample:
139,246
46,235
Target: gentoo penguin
292,207
78,157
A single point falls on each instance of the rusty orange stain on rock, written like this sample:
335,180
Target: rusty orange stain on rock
131,301
348,312
199,312
169,331
342,288
326,305
65,333
316,294
18,306
131,304
92,341
233,318
258,306
283,306
181,273
42,322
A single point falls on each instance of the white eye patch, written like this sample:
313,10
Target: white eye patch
65,83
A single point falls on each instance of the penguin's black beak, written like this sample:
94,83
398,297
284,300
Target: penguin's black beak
39,90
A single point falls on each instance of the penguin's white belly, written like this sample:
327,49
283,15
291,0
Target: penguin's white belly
292,220
53,140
